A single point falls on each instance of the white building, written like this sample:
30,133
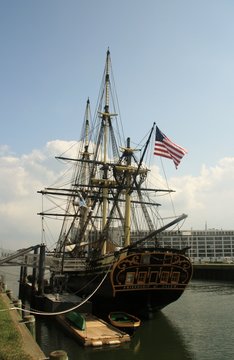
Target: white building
212,245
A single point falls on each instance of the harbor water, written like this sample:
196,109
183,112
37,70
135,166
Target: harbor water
198,326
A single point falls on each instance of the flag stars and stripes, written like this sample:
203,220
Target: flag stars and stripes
166,148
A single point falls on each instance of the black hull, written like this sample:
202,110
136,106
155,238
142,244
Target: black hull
139,283
141,303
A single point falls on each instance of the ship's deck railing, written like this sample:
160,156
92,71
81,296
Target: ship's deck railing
74,264
66,265
55,264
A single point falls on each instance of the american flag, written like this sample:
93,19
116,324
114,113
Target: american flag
166,148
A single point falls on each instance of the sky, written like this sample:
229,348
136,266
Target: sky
173,63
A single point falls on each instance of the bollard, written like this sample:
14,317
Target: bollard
1,282
58,355
18,303
29,321
4,287
9,294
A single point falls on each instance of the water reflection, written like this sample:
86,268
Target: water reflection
198,326
156,337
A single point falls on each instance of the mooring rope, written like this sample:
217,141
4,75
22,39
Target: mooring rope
34,312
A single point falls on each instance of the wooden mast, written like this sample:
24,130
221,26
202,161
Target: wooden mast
106,125
85,203
127,219
105,121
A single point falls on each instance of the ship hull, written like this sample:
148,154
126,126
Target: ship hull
140,283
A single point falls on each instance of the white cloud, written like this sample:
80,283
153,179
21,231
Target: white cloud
208,197
21,178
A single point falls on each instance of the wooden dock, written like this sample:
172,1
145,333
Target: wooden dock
97,332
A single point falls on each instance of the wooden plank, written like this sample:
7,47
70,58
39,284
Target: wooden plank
96,333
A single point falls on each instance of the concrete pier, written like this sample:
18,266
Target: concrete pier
29,345
213,271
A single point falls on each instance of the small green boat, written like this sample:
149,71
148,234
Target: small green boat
76,319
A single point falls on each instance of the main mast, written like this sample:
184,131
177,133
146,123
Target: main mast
105,120
105,116
124,169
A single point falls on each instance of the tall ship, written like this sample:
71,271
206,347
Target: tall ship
108,249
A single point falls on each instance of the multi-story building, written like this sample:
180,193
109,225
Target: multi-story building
213,245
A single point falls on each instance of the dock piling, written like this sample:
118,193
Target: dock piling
18,303
58,355
9,294
41,270
29,321
35,271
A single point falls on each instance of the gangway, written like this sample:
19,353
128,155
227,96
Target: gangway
17,254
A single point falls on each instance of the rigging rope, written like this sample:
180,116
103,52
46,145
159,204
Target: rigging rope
172,204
